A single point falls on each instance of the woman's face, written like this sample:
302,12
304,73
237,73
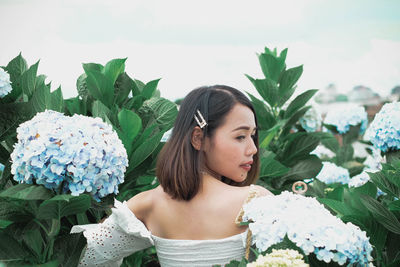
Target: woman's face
229,152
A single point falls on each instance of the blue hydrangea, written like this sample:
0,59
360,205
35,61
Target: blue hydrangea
271,218
311,121
1,167
384,130
79,153
344,117
5,84
330,174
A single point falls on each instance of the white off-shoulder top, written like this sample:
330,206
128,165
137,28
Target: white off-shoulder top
122,234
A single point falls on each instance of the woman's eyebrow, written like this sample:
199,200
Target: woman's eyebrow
247,128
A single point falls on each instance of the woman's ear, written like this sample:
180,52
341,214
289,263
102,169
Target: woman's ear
197,137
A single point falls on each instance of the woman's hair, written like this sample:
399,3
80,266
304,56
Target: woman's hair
179,164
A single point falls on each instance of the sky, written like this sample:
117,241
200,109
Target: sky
193,43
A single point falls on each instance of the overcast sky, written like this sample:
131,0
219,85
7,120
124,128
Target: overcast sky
192,43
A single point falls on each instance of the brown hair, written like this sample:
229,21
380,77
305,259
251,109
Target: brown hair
179,164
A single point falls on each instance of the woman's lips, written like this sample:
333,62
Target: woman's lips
246,166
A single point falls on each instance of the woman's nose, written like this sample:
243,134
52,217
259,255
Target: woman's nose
252,149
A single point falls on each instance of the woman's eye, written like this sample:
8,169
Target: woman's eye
241,137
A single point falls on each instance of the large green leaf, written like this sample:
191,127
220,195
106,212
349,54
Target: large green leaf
150,88
81,86
379,179
144,150
33,238
299,147
160,111
75,106
27,192
339,207
10,249
366,189
28,80
100,87
56,101
345,153
294,119
123,86
130,124
11,116
304,169
271,66
265,119
16,67
271,167
114,68
381,214
299,102
395,205
14,210
267,88
69,248
287,82
101,111
63,205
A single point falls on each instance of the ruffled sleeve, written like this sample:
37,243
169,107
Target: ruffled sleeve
120,235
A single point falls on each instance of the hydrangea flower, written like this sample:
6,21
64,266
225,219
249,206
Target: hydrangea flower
322,152
5,84
79,153
271,218
311,121
281,258
384,130
330,173
1,167
344,117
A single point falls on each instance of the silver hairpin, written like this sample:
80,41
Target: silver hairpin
201,122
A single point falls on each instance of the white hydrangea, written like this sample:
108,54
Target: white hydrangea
312,120
344,117
322,152
5,83
331,173
280,258
271,218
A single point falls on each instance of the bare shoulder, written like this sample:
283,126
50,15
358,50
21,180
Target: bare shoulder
263,191
142,203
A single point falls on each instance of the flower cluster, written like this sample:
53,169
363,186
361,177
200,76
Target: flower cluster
79,153
344,117
330,173
384,131
271,218
322,152
311,121
5,84
279,258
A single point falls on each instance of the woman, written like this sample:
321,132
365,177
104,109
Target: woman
204,171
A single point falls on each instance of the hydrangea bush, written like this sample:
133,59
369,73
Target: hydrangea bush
384,130
331,173
280,258
271,218
344,117
311,121
5,83
74,154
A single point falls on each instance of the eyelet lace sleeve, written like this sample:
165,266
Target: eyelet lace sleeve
118,236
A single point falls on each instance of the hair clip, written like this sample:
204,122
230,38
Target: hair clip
201,122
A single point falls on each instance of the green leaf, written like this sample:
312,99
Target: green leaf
352,135
87,67
100,87
339,207
345,153
16,67
299,148
114,68
81,86
14,211
160,111
56,100
294,119
123,87
10,249
271,66
63,205
150,88
395,205
28,80
101,111
144,150
267,88
33,238
366,189
336,194
379,179
69,248
304,169
271,167
75,106
130,124
287,83
27,192
381,214
330,142
299,102
264,115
